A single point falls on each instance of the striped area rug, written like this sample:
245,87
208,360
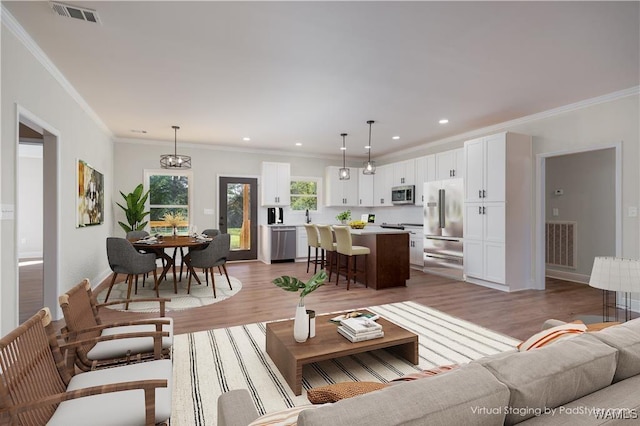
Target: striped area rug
208,363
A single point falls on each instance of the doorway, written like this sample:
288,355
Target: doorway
238,204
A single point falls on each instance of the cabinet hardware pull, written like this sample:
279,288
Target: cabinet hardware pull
479,193
479,209
484,194
454,172
484,210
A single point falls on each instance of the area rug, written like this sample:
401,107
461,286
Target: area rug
200,294
208,363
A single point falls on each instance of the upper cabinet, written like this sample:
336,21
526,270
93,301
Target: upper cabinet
404,173
425,172
341,192
486,168
365,189
275,184
382,184
450,164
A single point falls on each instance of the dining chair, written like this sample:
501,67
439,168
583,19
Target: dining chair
136,235
313,241
211,232
328,246
137,340
346,248
125,259
38,387
215,254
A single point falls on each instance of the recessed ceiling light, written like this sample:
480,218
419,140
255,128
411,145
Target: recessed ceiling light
395,138
298,143
138,131
246,139
367,147
343,148
443,121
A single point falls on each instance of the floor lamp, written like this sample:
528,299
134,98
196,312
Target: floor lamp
615,274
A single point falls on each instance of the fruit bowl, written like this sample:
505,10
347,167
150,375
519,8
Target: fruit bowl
357,224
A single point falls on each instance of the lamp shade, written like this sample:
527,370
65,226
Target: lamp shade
616,274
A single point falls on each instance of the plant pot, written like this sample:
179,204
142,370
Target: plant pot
301,324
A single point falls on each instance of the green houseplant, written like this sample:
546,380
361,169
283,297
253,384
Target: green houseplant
344,216
135,209
301,321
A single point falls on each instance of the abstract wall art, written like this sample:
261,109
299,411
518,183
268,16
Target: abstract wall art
90,196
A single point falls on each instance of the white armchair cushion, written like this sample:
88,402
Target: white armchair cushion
116,408
118,347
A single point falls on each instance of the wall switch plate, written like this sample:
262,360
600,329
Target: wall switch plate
633,211
209,212
7,211
559,192
556,211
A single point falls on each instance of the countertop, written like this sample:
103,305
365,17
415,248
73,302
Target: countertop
373,229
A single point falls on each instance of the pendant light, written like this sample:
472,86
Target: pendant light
175,160
344,172
369,166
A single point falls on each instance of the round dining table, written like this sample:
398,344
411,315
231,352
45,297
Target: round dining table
176,242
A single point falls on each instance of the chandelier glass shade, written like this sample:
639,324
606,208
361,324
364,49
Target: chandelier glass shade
369,167
175,160
344,173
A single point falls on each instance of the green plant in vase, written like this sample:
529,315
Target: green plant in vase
344,216
135,209
293,284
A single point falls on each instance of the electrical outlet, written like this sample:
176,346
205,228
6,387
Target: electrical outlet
556,211
633,211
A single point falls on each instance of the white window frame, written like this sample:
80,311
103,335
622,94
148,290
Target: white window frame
165,172
318,180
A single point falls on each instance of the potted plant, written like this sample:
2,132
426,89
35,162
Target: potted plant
344,216
289,283
135,209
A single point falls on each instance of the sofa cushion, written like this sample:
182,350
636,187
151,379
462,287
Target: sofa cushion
616,402
552,335
626,339
338,391
469,395
553,375
286,417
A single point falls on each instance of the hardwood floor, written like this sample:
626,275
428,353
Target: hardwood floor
31,292
518,314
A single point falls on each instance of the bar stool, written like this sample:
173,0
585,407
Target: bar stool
327,244
346,248
313,241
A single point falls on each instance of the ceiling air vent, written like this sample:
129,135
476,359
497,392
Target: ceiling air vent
75,12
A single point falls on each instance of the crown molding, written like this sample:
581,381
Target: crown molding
9,21
500,127
226,148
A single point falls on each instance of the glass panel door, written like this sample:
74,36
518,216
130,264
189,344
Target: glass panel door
238,211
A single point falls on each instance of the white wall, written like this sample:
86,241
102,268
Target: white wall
26,82
587,180
30,201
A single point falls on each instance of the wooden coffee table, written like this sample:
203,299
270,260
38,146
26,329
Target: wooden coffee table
289,356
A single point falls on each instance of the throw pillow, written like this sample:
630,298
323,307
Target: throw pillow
338,391
426,373
552,335
287,417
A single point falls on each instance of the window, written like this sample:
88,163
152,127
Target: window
169,194
304,194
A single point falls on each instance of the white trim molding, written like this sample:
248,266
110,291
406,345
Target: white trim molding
567,276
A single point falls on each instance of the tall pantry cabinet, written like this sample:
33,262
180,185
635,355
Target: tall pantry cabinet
498,211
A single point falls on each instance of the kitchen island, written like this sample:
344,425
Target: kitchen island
388,262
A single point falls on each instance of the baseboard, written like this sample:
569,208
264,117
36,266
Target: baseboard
567,276
488,284
97,280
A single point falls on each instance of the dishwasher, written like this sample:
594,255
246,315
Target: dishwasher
283,243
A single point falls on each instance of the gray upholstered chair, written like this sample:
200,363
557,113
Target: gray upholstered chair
215,254
125,259
136,235
346,248
211,232
328,246
313,241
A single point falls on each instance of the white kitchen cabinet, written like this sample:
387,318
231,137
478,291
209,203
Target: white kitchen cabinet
382,184
497,214
416,248
450,164
425,172
302,243
275,184
365,189
342,193
404,173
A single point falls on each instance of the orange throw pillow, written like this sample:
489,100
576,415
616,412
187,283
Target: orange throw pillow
338,391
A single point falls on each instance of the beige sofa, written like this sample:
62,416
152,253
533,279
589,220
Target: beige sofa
591,379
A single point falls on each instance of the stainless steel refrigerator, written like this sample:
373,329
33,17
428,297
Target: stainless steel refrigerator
443,216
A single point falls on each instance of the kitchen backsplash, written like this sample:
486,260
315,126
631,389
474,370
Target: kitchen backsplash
395,214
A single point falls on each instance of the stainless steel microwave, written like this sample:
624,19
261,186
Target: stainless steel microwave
403,194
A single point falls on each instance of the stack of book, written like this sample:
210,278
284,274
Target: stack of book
360,329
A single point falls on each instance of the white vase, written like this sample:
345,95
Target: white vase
301,323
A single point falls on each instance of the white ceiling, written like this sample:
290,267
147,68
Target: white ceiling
286,72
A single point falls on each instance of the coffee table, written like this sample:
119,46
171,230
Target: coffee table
289,356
